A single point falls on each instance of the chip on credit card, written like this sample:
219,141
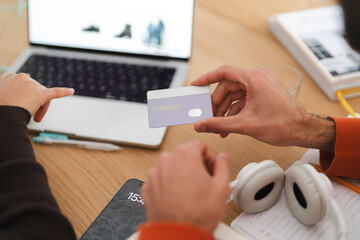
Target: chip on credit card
177,106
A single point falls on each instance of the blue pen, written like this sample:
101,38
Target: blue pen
78,143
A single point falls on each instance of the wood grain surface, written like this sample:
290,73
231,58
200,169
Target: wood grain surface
225,32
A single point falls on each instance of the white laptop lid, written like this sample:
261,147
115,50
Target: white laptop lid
98,24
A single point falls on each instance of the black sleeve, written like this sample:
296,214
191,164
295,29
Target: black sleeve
352,21
28,209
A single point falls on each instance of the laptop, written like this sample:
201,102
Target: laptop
111,52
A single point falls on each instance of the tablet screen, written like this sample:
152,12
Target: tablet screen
121,217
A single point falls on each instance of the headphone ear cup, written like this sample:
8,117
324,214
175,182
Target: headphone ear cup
258,186
326,183
307,193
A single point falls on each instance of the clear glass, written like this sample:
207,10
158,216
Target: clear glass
288,77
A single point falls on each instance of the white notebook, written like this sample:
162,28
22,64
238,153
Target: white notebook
315,38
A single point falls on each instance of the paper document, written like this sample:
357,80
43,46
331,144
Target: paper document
224,232
277,222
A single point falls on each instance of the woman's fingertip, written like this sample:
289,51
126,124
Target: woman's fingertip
37,118
223,156
194,83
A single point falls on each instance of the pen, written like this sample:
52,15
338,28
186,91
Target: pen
339,180
79,144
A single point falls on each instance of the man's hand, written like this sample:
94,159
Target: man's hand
189,186
255,104
22,91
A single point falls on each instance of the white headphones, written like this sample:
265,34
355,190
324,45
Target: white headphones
308,193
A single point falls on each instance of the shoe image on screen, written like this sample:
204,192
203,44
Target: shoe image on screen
155,33
125,33
91,28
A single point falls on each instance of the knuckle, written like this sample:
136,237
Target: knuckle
23,76
10,75
190,150
247,76
163,157
164,154
254,73
54,90
225,158
217,125
246,128
181,149
261,74
226,67
198,143
152,174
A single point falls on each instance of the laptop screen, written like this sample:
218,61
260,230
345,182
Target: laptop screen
150,27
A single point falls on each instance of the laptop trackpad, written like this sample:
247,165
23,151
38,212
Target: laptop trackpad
82,116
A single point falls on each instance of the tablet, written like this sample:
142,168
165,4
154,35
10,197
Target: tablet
121,217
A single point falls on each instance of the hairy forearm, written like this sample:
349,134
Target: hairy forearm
315,132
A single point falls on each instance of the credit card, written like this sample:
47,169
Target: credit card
177,106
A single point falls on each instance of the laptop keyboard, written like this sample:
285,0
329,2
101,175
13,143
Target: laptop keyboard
128,82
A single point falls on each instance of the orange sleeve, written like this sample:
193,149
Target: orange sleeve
345,160
173,231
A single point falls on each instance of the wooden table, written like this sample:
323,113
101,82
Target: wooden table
226,32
